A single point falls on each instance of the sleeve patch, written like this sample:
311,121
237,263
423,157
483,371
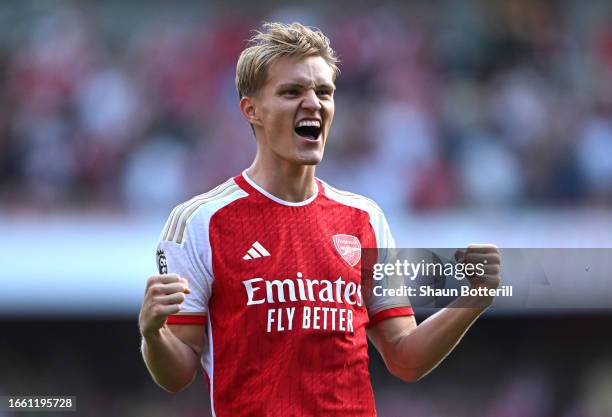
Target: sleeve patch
162,262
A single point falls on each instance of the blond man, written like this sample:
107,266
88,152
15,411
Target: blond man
259,279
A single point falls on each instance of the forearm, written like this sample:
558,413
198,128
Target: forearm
171,363
417,352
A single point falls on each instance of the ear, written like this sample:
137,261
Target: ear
249,109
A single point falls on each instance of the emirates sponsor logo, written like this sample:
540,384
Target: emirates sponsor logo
348,247
332,302
261,291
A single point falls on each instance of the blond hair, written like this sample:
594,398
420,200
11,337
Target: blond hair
275,41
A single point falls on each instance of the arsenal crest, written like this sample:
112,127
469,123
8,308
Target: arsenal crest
348,247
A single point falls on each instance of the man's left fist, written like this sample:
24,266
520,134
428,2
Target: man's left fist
486,258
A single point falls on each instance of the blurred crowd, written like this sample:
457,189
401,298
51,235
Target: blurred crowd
439,105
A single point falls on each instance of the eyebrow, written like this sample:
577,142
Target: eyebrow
299,85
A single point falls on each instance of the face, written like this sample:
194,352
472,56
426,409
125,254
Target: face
293,112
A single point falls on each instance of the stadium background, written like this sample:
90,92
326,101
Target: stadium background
483,121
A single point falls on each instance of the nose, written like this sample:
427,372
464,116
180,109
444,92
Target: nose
311,101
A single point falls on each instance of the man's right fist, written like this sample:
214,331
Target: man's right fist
163,296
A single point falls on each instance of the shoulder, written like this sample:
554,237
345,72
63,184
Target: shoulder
349,199
198,210
376,216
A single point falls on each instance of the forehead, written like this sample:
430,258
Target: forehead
305,70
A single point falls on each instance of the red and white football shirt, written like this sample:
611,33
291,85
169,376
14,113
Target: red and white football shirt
279,286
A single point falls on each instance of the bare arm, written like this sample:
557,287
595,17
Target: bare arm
410,351
171,352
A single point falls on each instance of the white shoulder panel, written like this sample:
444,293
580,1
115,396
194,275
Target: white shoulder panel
185,245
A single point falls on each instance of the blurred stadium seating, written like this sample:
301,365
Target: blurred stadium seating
108,107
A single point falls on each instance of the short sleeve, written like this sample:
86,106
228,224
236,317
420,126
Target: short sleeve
189,259
381,307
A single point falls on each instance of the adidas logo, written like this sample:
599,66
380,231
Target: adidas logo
256,251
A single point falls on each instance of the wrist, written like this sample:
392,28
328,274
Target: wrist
153,334
478,303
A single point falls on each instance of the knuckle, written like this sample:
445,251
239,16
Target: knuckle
158,311
151,280
156,289
494,269
492,276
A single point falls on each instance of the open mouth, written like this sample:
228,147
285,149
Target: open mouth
309,129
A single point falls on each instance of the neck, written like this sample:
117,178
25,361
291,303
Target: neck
285,180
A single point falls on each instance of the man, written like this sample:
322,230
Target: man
260,278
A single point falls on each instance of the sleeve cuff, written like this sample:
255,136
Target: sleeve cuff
391,312
186,319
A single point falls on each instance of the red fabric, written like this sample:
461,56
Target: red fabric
185,319
287,305
392,312
264,368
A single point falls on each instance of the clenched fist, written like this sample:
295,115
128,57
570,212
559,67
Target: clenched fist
487,261
163,296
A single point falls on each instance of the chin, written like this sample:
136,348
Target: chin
311,163
309,159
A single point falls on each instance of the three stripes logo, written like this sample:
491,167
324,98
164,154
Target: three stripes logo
176,225
256,251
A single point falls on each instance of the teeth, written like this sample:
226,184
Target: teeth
314,123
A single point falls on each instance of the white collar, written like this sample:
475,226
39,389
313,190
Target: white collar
278,200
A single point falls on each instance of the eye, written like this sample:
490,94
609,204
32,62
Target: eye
292,92
324,93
